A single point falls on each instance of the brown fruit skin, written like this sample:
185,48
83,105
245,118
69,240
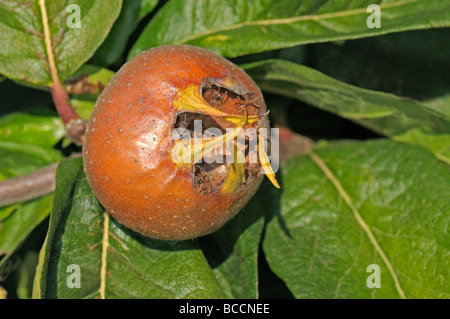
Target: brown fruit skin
127,149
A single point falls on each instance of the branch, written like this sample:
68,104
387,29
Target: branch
26,187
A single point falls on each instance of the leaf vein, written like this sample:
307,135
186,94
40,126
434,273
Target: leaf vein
287,20
316,159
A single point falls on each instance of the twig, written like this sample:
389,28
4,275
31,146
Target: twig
30,186
26,187
75,126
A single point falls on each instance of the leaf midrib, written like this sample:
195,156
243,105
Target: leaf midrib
316,17
104,257
365,227
48,42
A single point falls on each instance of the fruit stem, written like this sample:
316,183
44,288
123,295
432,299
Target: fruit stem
75,126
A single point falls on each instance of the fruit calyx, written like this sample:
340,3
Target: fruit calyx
231,175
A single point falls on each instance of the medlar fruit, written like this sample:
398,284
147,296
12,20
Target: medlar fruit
158,181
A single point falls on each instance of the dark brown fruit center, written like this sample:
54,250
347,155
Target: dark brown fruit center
208,176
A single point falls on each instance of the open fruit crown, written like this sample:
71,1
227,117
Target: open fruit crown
170,185
187,152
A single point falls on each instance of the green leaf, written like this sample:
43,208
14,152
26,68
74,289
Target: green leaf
147,6
440,105
18,221
232,251
113,261
89,81
15,229
6,211
349,205
37,128
83,107
23,47
407,64
84,87
20,159
25,275
383,113
237,27
438,144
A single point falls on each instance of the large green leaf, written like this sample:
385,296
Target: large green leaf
113,261
438,144
232,251
20,159
407,64
37,128
15,229
349,205
18,220
383,113
237,27
23,48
